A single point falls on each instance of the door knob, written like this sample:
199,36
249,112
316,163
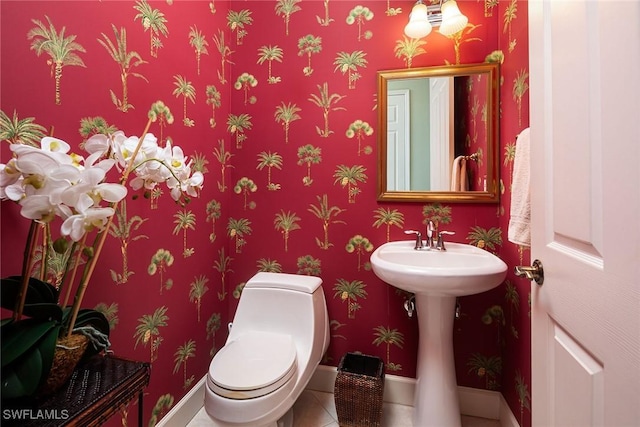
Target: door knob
533,272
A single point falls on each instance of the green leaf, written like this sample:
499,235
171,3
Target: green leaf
26,367
93,318
19,337
44,311
37,292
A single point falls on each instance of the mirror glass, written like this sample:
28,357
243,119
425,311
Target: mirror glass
438,138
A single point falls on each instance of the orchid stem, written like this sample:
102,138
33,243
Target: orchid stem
76,264
44,253
28,253
101,237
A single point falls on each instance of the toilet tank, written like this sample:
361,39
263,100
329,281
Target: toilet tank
284,303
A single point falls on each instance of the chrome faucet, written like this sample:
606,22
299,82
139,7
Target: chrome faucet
426,244
430,230
440,243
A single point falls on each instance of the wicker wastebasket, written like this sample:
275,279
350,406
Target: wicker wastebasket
358,390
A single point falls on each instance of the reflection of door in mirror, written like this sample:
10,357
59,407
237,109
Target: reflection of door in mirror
418,112
398,131
441,131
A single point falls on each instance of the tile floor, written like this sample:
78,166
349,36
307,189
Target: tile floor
317,409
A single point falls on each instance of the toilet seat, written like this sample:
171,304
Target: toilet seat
253,365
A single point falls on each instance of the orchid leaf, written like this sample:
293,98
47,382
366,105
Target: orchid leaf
37,292
44,311
28,347
18,337
94,318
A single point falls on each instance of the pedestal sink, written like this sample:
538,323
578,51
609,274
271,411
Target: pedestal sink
437,278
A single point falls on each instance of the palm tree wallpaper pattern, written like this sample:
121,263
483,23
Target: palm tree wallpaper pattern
275,102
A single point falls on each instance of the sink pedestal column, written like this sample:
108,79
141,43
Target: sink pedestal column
436,394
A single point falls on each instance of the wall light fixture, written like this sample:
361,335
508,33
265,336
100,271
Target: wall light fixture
418,25
444,14
452,19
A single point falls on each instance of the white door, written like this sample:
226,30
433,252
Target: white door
441,132
398,140
585,195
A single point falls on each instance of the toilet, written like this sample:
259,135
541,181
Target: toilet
278,336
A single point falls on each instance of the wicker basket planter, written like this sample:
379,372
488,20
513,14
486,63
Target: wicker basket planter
358,390
68,353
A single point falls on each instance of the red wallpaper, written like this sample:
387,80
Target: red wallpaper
289,157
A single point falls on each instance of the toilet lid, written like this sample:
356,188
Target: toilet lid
254,364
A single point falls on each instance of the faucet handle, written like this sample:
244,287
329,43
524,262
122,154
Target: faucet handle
418,237
440,244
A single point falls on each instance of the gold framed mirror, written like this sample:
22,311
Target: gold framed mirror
438,134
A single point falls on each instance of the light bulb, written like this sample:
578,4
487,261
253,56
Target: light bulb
418,25
452,19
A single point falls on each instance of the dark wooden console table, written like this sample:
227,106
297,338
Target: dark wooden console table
98,388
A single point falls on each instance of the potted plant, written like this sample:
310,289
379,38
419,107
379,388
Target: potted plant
49,330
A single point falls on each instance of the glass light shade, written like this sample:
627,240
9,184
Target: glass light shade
452,19
418,25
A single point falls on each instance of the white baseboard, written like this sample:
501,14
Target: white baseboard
473,401
396,389
507,419
186,408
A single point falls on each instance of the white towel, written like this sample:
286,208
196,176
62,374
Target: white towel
464,179
455,173
520,221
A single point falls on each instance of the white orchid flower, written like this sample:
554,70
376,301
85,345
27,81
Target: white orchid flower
54,145
14,191
10,178
50,181
149,145
124,148
38,207
176,189
178,160
69,173
184,182
193,184
82,222
58,149
39,172
43,201
104,164
110,192
123,151
98,143
58,181
90,185
36,165
20,149
155,169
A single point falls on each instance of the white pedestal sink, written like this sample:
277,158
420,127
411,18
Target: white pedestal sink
437,278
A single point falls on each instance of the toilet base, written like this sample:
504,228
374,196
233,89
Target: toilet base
286,420
261,411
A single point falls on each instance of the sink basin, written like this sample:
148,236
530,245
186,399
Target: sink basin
460,270
437,279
